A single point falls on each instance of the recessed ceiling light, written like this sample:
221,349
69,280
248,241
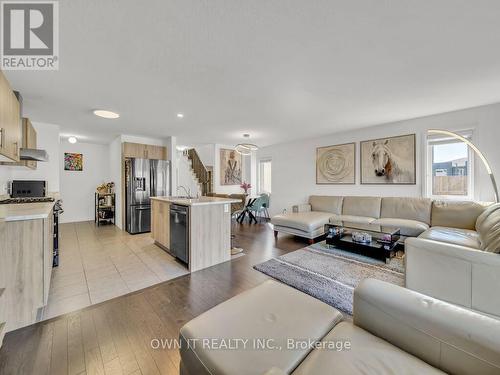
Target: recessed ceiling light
106,114
180,115
72,139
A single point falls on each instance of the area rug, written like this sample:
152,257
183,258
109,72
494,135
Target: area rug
330,274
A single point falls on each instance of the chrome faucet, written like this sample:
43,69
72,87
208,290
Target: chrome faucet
186,191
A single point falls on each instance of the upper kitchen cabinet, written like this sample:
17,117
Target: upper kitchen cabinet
28,140
156,152
10,122
142,151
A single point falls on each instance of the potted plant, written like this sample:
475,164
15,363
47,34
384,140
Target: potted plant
102,189
246,186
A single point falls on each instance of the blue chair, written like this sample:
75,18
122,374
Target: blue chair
261,205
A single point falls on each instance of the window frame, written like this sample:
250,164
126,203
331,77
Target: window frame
259,174
428,183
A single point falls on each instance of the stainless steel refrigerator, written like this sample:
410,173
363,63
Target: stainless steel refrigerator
144,178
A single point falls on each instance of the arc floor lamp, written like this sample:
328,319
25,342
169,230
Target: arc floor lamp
476,150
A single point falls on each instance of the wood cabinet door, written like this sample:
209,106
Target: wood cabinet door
21,270
142,151
134,150
10,121
29,140
157,152
160,222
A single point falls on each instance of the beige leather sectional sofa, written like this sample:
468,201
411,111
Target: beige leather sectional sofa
394,331
453,252
413,216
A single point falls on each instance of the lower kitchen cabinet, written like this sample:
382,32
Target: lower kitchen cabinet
160,223
26,251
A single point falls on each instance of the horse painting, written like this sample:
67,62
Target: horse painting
388,161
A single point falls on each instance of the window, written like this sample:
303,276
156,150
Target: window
450,167
265,176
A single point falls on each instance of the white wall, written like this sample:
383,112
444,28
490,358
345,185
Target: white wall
294,163
206,154
115,175
48,140
78,188
171,144
186,176
5,176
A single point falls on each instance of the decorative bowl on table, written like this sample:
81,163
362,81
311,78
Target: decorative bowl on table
361,237
385,239
336,231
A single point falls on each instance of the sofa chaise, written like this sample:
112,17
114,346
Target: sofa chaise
452,252
412,215
274,329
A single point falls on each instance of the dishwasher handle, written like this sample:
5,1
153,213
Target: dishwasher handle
178,209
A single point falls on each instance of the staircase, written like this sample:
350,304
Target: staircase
201,173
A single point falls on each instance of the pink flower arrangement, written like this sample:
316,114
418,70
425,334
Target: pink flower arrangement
246,186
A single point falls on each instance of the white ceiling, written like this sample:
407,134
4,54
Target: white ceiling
277,69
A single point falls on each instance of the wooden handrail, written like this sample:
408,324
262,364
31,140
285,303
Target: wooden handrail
204,176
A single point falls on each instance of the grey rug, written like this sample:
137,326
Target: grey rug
330,275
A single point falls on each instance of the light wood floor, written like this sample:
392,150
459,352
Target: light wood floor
114,337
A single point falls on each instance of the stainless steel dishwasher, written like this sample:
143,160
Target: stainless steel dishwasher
179,232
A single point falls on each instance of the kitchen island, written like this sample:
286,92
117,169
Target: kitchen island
207,228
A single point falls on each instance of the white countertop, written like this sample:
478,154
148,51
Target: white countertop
196,201
27,211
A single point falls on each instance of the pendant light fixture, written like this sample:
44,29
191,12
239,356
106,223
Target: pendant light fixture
246,148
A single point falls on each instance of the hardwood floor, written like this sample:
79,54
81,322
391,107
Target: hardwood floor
115,336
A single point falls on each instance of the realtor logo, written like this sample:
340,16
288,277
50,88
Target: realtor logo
29,35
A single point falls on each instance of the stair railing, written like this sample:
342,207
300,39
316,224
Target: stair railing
200,171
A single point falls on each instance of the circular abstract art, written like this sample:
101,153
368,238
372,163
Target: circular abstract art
335,165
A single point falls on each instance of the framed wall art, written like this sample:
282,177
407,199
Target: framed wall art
73,162
230,167
336,164
389,160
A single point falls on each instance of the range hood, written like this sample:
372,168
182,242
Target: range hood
33,154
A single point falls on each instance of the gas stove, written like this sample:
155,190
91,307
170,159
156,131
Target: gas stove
27,200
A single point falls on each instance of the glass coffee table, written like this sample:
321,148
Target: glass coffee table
380,245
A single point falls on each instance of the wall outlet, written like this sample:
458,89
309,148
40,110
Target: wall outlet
226,207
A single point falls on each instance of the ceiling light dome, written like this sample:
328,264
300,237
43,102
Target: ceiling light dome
72,139
106,114
246,148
